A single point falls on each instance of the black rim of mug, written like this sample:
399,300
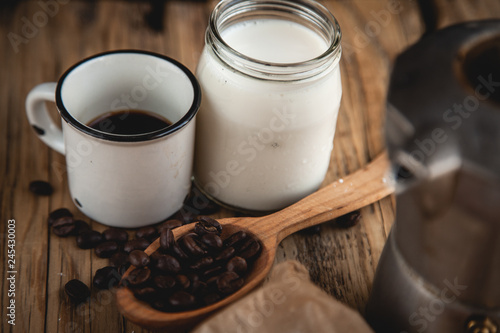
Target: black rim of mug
66,115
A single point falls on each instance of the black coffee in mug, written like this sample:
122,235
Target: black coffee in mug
129,122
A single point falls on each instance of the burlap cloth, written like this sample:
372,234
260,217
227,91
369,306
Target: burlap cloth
287,302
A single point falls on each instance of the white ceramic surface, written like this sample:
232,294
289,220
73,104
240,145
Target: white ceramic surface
122,180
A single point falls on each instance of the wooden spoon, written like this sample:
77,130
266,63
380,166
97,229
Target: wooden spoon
355,191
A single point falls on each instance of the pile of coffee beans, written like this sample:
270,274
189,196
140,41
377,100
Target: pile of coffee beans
198,269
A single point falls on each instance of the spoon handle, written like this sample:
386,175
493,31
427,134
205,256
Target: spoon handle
363,187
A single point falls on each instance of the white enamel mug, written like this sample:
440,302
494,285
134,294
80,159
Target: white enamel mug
122,180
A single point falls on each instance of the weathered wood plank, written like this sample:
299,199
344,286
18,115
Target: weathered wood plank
342,262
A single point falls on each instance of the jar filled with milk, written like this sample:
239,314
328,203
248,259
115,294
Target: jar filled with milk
271,87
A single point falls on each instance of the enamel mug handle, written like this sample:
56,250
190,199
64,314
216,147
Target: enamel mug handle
39,118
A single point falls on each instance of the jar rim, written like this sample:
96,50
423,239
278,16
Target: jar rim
308,11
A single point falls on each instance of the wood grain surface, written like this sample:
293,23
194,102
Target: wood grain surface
342,262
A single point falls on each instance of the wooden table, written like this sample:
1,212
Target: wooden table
340,261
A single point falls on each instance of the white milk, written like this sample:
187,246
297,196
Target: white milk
262,144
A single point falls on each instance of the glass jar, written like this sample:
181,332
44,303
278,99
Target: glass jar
270,79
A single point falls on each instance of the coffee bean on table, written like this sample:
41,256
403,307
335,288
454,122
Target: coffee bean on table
77,291
138,258
149,233
88,239
82,226
167,239
41,187
64,226
58,213
170,224
229,282
207,224
106,277
348,220
118,259
136,244
106,249
139,276
115,234
237,265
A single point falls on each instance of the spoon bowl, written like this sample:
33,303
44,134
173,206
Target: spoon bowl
355,191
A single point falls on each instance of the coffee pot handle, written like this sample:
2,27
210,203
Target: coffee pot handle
39,117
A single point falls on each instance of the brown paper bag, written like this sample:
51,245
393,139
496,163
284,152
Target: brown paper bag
287,302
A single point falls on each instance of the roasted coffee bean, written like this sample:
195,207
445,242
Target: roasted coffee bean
207,224
229,282
164,281
251,250
138,258
82,226
226,254
213,241
202,263
145,293
106,277
40,187
106,249
235,239
179,253
150,233
167,239
170,224
181,300
58,213
160,304
191,246
77,291
154,257
237,265
118,259
88,239
136,244
194,271
139,276
183,281
198,287
211,272
211,298
64,226
167,263
348,220
115,235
